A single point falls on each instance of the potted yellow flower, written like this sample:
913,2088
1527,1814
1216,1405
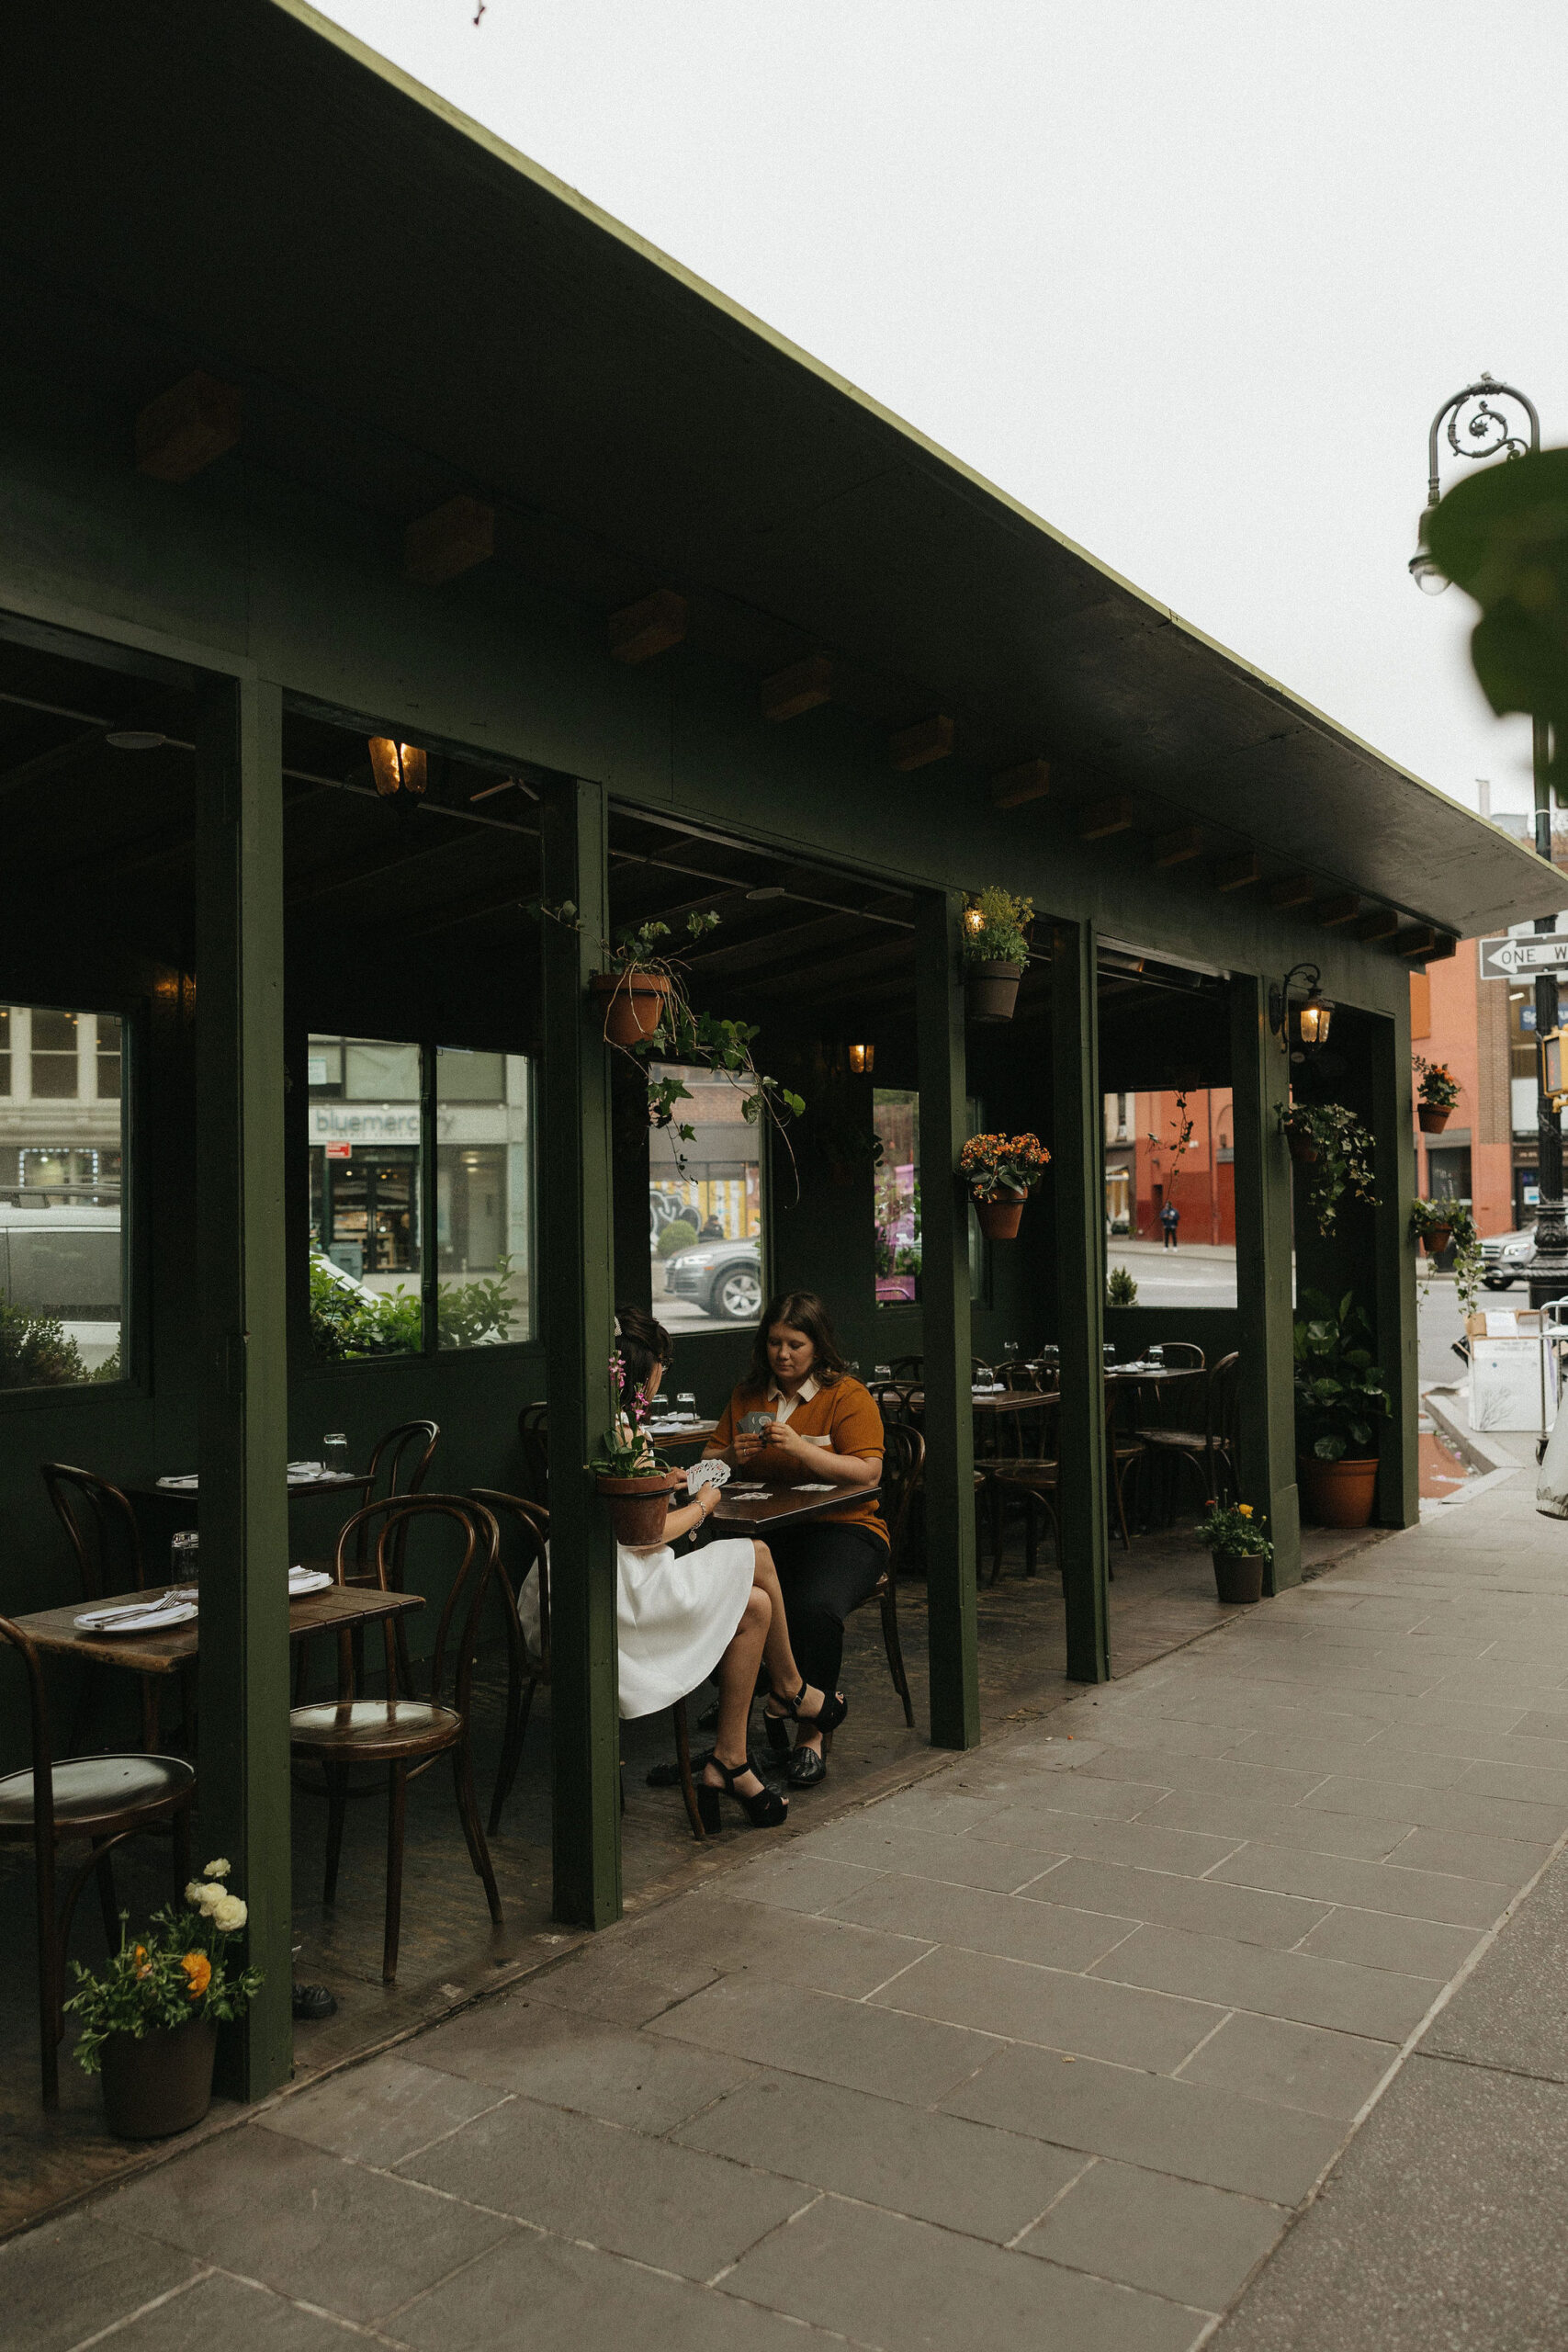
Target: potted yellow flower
150,2022
996,949
1001,1172
1240,1550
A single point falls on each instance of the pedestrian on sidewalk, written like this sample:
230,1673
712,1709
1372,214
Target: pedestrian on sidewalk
1170,1217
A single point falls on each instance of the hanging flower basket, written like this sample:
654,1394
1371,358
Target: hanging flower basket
639,1507
632,1003
990,991
1001,1215
1432,1118
1435,1240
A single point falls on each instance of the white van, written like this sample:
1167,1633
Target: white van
66,1263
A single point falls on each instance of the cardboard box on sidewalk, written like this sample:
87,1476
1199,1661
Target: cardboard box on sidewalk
1515,1373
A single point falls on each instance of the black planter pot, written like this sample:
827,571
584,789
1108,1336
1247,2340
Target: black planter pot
160,2083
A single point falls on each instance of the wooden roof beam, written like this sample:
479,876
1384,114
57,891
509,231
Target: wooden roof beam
1329,914
1180,848
1292,890
182,430
1098,819
1417,944
916,747
1238,873
651,626
1382,923
448,540
805,686
1030,780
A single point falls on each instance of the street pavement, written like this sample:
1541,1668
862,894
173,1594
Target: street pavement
1226,2000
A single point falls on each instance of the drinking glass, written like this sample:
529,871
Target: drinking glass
334,1454
882,1372
686,1406
1156,1353
184,1564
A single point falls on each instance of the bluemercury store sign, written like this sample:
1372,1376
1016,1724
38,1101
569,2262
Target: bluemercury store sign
373,1122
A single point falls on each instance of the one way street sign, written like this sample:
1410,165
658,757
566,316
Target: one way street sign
1509,959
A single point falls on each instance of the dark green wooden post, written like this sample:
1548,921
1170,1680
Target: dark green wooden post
577,1255
1078,1151
945,1298
1265,1400
242,1428
1398,1502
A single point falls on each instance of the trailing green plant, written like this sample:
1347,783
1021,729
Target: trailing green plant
1343,1166
679,1234
685,1035
179,1968
35,1352
1438,1088
478,1312
1341,1394
1469,1265
996,927
1120,1290
1236,1528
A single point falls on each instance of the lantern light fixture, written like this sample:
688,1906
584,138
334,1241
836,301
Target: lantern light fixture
862,1060
399,770
973,921
1301,1029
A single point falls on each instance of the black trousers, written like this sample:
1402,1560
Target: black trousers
824,1573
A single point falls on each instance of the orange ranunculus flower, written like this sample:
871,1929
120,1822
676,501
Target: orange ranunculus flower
199,1968
143,1965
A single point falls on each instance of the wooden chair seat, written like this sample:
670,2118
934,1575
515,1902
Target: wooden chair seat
1182,1441
369,1731
97,1796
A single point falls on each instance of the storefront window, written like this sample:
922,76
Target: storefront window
61,1244
895,1116
483,1159
706,1210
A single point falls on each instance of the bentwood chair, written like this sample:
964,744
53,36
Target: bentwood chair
101,1798
903,1467
100,1526
404,1733
534,1437
400,1463
525,1581
1211,1451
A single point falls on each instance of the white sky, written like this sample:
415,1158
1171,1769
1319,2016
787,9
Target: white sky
1188,276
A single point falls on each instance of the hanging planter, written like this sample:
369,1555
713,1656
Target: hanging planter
639,1506
1435,1096
1001,1172
996,949
1000,1215
1337,1149
1435,1240
1300,1146
632,1003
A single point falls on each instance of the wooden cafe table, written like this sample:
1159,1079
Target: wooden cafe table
753,1514
336,1610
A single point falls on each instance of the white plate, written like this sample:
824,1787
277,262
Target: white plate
304,1580
154,1620
185,1481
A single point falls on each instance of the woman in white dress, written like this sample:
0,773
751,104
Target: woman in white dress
715,1611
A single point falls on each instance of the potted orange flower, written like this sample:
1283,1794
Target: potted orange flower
1435,1095
150,2022
1001,1172
1239,1549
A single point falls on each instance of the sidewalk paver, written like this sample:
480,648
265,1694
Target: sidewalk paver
1056,2049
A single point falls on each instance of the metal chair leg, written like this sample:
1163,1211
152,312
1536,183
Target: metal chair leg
109,1906
519,1707
683,1760
397,1817
469,1813
337,1806
894,1649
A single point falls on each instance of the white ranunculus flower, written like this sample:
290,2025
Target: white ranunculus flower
219,1869
229,1913
198,1894
210,1897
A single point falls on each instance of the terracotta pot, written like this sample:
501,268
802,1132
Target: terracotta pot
160,2084
999,1217
633,1003
1435,1240
1238,1576
1301,1147
1340,1494
991,989
639,1507
1433,1121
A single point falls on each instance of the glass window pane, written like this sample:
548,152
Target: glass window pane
484,1183
61,1253
704,1199
365,1211
895,1114
1171,1198
109,1058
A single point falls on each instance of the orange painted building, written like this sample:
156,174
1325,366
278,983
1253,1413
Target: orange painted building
1145,1165
1484,1030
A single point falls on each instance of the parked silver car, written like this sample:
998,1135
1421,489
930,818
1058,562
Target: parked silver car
1505,1258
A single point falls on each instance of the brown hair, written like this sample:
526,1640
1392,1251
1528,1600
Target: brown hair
640,1343
803,1311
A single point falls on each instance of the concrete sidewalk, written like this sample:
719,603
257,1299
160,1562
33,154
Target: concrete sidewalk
1052,2050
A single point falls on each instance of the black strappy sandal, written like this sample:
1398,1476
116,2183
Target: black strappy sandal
766,1810
805,1766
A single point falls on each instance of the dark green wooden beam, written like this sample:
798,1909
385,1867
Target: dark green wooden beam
1398,1503
1265,1400
579,1260
945,1298
1080,1191
242,1447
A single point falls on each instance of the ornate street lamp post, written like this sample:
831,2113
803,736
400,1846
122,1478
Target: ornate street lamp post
1489,433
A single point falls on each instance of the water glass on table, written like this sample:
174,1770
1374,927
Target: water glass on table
686,1406
185,1564
334,1454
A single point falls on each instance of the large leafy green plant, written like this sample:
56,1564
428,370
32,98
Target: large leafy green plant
1503,537
345,1325
1341,1394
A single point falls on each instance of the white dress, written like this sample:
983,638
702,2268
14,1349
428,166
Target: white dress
675,1618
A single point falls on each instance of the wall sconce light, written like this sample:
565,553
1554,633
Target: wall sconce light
399,770
973,921
1309,1019
862,1060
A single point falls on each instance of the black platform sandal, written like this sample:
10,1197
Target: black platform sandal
766,1810
828,1716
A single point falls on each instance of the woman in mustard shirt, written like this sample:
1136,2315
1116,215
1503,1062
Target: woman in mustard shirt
823,1428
